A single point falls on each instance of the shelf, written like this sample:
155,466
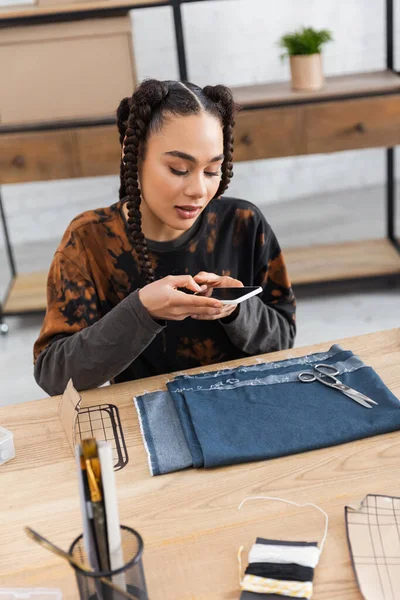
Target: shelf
343,86
311,264
350,260
27,12
27,293
261,95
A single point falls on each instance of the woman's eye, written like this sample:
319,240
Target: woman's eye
176,172
182,173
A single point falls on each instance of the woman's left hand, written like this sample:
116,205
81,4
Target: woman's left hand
214,280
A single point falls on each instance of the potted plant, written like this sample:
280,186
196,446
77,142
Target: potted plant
304,50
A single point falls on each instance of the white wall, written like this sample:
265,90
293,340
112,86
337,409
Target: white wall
233,42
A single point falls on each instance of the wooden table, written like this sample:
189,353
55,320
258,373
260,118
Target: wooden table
189,520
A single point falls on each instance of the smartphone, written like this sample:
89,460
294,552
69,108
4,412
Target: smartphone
231,295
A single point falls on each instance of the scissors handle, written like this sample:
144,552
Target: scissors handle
306,377
324,373
326,370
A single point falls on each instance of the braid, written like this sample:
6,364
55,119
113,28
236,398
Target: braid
227,108
122,117
144,101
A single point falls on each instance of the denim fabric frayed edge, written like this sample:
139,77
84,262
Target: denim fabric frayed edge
271,379
149,460
305,360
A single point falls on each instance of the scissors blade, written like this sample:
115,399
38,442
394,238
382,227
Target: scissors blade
366,398
354,393
358,397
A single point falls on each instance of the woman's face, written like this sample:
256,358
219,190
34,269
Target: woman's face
180,174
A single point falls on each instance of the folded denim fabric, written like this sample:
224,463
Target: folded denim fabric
182,393
162,433
182,411
165,419
262,411
264,373
266,420
161,416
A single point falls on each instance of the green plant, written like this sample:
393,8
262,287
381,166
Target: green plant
304,41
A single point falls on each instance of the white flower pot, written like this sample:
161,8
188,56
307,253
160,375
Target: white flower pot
306,72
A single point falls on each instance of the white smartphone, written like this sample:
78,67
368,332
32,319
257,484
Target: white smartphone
231,295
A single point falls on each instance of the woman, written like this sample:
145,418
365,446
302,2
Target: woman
116,305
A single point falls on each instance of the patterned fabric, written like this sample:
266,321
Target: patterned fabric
95,268
263,585
373,535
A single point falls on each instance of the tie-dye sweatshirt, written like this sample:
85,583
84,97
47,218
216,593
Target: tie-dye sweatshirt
96,329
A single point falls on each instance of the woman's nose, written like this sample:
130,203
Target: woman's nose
196,187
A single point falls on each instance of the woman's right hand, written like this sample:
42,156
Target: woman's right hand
163,300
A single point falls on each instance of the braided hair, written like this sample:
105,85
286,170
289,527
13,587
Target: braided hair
143,114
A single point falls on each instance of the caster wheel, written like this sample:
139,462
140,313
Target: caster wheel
3,328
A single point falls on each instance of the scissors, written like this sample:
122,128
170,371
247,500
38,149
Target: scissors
326,374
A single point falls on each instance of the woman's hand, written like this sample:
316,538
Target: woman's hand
163,300
213,280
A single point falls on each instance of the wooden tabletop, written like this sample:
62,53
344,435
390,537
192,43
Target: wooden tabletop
189,520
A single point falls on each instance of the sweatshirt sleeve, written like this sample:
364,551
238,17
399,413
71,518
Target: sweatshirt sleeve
265,323
76,341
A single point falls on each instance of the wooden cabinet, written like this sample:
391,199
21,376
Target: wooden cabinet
269,132
85,152
350,124
98,151
37,156
278,122
67,70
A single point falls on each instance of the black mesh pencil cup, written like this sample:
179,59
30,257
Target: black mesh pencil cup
129,578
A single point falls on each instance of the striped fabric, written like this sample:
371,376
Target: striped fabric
262,585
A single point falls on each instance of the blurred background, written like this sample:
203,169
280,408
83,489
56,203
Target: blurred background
319,174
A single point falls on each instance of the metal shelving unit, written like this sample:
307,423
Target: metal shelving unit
264,98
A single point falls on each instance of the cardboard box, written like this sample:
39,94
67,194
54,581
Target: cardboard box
66,70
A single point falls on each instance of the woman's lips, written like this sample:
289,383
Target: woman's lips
188,212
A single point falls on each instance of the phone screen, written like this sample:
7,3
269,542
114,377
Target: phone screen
229,293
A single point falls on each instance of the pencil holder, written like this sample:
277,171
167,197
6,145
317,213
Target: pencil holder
129,577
